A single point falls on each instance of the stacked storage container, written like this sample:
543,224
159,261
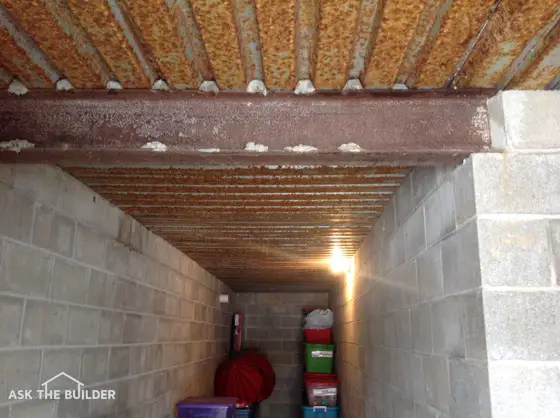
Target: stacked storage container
321,384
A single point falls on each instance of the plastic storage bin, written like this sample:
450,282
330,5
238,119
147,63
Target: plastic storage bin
321,391
319,412
206,408
319,358
245,413
319,336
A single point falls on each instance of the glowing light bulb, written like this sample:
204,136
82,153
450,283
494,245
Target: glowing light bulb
338,262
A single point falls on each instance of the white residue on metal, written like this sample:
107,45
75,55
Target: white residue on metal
400,86
16,145
64,85
301,148
155,146
480,122
353,84
350,147
113,85
16,87
209,86
254,147
257,86
209,150
304,87
160,85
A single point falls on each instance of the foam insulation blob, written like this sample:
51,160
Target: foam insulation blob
353,85
64,85
301,148
160,85
304,87
254,147
16,87
209,150
155,146
113,85
208,86
16,145
257,86
350,147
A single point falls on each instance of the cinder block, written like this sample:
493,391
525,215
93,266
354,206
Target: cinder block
61,360
291,322
138,266
53,231
83,326
514,252
26,270
463,185
41,181
460,260
144,299
436,374
90,247
6,174
16,214
149,329
117,258
102,289
417,378
71,408
111,327
473,325
555,246
404,336
125,297
141,359
36,409
415,237
44,323
119,362
522,325
426,412
524,389
440,213
430,274
470,393
132,328
404,201
402,407
396,250
386,223
517,183
421,328
11,311
20,371
69,282
447,327
424,181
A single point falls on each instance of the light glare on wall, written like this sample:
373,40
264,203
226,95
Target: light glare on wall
338,262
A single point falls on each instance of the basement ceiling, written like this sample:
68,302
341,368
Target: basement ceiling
385,44
255,228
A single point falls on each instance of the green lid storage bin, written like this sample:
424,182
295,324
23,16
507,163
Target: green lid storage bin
319,358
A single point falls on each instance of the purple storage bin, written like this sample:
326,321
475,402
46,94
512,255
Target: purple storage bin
206,408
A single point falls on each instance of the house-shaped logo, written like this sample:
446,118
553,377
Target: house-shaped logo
45,385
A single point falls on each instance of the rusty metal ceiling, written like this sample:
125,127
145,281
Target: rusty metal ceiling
254,227
384,43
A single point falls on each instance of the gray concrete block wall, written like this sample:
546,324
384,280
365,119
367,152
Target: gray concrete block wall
86,290
273,324
410,328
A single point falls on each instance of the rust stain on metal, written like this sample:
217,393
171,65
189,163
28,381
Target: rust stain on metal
511,28
194,46
219,32
97,19
248,35
277,32
460,25
369,19
428,26
155,23
307,21
51,25
400,18
18,63
335,38
543,67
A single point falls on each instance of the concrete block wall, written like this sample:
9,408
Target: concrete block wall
273,324
410,328
86,290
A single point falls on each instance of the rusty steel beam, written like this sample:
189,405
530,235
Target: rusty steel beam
88,127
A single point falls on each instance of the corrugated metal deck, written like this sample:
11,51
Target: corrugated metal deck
256,225
417,43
